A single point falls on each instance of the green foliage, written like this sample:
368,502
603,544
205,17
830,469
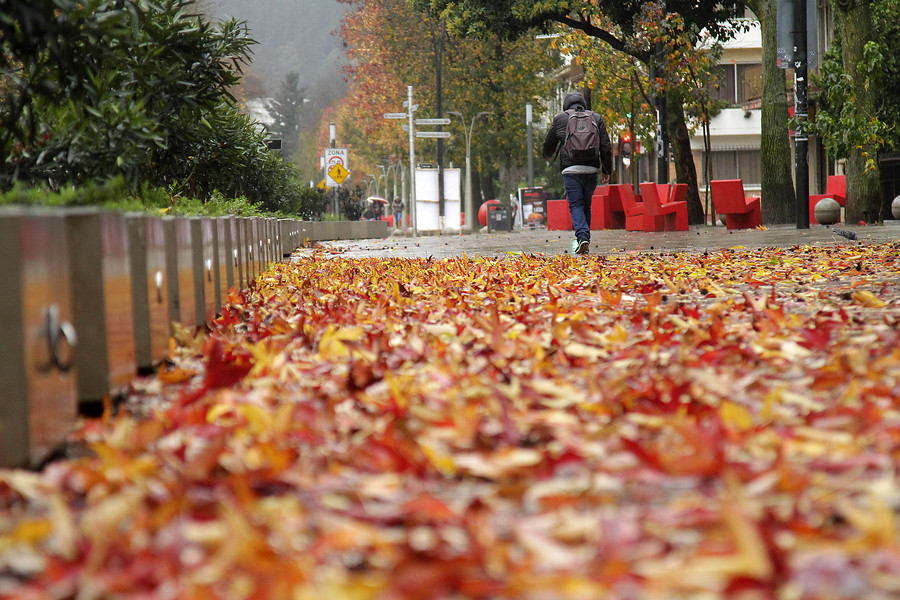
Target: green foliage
886,20
841,120
135,91
352,204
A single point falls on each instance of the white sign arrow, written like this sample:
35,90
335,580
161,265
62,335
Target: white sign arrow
395,115
432,121
433,134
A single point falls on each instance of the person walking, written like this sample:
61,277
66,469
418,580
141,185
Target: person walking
580,137
397,208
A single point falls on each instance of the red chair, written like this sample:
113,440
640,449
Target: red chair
632,206
661,214
679,192
558,217
741,212
606,210
835,188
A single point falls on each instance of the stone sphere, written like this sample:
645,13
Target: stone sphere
828,211
895,207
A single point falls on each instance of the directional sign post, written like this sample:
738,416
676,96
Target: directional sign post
433,134
395,115
432,121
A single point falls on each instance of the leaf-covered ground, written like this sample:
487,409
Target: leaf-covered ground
719,425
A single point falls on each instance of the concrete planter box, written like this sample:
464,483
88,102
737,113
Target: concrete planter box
149,289
102,309
180,266
37,339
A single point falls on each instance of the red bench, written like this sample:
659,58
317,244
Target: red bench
558,217
631,204
606,210
664,206
836,188
741,212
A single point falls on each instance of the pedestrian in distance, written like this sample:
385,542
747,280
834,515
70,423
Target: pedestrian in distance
580,138
397,208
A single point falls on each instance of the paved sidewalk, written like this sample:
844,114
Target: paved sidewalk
697,239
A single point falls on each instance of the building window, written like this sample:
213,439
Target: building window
723,89
733,164
749,81
737,83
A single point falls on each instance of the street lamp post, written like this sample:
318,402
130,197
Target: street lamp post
470,202
369,183
530,145
384,173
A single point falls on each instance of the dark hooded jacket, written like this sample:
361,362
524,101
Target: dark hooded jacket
556,136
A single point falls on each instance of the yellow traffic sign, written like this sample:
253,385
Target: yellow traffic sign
338,173
321,184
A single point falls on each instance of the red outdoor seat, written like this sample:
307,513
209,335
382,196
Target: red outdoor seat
606,210
741,212
661,212
558,217
836,188
631,205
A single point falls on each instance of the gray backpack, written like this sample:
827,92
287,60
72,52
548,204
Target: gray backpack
582,138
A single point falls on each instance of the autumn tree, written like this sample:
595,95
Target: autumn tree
390,47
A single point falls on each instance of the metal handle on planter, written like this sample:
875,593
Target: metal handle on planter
56,333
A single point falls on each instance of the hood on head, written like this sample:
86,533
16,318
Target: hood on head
573,100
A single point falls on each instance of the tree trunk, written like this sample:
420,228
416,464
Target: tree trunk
775,145
854,25
685,170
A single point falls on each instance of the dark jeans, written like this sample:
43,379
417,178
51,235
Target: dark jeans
579,191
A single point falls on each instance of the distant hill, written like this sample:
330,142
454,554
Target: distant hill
293,35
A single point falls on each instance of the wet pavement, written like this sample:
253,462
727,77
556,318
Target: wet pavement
542,241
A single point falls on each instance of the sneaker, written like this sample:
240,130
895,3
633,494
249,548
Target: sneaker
583,247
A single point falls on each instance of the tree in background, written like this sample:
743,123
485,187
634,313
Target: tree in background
288,112
851,116
775,145
886,20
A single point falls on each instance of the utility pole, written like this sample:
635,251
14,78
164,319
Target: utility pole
412,160
801,108
332,135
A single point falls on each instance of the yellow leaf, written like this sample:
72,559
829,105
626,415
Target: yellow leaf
867,299
736,415
333,342
439,459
